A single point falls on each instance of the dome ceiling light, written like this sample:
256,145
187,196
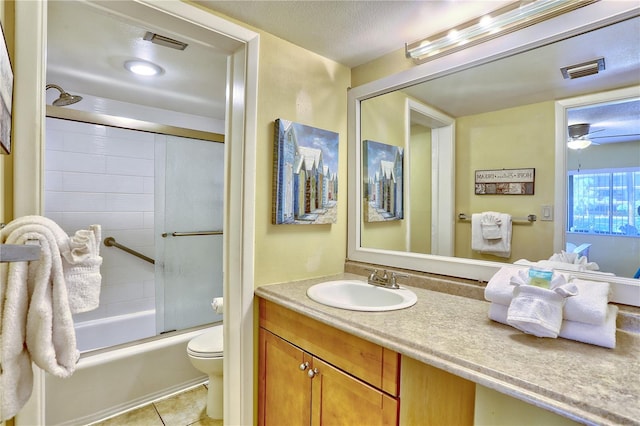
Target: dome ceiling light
143,68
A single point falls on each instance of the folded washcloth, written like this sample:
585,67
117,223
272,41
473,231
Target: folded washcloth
538,311
500,247
599,335
589,305
490,225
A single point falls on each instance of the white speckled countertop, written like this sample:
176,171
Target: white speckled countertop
589,384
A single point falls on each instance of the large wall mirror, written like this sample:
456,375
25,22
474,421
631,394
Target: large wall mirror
508,106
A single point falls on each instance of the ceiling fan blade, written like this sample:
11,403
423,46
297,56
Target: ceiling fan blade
616,136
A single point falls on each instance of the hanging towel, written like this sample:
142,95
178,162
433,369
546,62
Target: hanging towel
36,319
588,306
500,247
81,267
490,225
600,335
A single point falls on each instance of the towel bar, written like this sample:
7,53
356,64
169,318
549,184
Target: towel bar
19,252
191,234
529,218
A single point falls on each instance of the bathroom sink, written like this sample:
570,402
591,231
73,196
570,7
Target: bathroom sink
357,295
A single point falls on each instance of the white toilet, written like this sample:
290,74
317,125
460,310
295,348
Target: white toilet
205,354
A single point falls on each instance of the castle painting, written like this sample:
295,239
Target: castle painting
305,175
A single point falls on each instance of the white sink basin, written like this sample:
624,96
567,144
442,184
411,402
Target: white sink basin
357,295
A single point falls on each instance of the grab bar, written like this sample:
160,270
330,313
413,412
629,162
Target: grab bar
529,218
111,242
190,234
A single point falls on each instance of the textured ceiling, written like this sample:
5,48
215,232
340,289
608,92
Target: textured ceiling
354,32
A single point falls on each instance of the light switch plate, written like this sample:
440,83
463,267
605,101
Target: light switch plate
547,213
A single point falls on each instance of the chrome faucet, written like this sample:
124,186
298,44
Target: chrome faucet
385,280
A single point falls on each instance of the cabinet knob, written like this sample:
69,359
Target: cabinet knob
312,373
304,366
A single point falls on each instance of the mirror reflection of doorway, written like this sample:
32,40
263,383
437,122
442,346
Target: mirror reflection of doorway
603,184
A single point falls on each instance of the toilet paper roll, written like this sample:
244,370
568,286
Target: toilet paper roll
217,305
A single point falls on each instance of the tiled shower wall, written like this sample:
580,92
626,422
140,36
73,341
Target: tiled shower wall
89,181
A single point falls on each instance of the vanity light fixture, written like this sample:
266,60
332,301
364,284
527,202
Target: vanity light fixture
507,19
144,68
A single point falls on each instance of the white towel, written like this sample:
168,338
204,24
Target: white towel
36,319
81,267
490,225
537,310
500,247
600,335
588,306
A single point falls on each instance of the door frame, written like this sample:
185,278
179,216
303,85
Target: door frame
241,117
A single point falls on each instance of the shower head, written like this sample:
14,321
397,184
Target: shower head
65,98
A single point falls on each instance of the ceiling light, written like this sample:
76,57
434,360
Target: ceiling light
578,143
510,18
143,68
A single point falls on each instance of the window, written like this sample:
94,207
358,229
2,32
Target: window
605,201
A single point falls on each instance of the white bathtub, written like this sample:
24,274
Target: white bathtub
112,381
112,331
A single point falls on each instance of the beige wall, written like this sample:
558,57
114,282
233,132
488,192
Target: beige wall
298,85
380,126
514,138
420,193
6,169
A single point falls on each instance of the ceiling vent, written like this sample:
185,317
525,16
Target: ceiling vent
164,41
584,69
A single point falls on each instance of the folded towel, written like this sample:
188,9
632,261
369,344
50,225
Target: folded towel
500,247
589,305
600,335
537,310
490,225
575,259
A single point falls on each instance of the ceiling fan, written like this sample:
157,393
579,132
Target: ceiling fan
579,136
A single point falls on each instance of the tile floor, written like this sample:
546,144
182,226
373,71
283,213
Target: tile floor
184,409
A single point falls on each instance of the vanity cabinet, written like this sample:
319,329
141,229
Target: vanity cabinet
311,373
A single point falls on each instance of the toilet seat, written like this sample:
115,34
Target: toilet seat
207,345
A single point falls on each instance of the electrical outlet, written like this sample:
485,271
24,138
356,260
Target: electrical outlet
547,213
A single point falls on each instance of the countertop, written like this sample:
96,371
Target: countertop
586,383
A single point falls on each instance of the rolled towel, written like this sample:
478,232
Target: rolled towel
218,305
600,335
589,305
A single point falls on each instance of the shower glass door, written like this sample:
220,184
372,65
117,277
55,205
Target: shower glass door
189,202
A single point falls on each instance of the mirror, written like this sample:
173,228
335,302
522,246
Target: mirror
503,106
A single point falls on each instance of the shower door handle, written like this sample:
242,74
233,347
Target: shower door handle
190,234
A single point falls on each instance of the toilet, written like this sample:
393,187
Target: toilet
205,354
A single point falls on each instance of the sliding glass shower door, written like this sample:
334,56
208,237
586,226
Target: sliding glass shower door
188,225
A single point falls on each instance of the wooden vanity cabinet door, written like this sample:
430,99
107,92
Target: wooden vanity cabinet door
340,399
284,389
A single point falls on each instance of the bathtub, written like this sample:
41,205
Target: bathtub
112,331
107,382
